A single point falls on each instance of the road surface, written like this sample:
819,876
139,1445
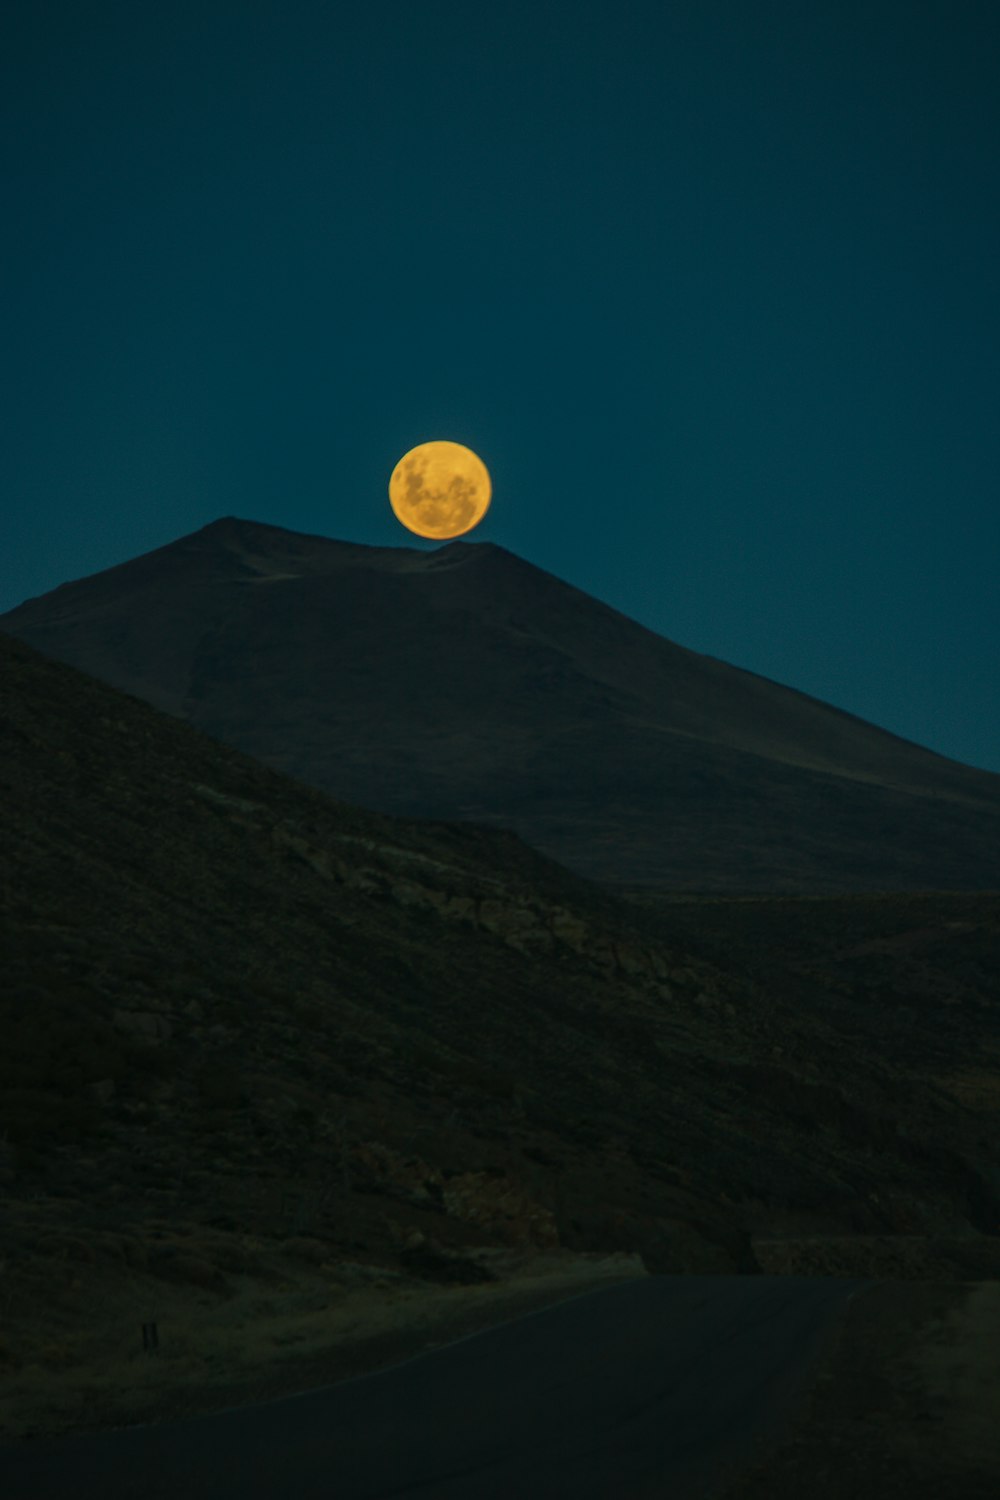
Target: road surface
643,1389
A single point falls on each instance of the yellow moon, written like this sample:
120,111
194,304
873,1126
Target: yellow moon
440,490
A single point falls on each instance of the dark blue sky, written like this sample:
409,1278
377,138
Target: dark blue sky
711,286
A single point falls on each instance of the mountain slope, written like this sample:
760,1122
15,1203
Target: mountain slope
151,874
244,1025
465,683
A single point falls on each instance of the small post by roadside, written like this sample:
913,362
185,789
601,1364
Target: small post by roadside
150,1338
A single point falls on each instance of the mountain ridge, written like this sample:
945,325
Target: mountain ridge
466,683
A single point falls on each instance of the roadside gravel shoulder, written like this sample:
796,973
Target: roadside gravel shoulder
903,1401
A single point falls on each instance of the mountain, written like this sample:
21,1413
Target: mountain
261,1047
465,683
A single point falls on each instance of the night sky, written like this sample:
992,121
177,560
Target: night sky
711,286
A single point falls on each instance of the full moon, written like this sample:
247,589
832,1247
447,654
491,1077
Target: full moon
440,490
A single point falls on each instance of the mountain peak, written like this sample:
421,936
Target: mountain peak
464,682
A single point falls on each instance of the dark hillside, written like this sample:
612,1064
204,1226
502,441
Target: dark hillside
243,1022
464,683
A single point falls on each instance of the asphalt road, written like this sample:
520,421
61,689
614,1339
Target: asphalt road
643,1389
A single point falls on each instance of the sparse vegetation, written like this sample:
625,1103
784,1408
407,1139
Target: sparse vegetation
234,1074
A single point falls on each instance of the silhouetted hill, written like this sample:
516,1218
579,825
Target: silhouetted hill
247,1028
465,683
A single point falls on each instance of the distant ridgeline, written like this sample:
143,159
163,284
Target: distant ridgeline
467,684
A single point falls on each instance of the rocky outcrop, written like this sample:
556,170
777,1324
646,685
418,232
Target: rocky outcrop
501,1208
493,1202
387,872
529,926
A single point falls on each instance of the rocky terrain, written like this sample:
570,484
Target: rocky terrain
464,683
262,1046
